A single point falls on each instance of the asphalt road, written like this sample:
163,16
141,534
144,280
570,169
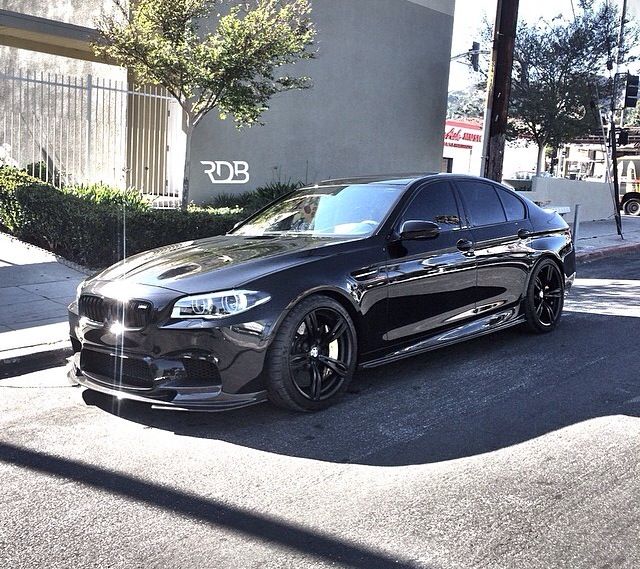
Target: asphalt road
509,451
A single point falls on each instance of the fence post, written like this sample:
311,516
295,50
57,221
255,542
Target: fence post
89,117
576,223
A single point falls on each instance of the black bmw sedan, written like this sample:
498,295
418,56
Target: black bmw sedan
341,275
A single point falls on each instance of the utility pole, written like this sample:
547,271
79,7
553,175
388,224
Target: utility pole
621,49
614,148
614,165
495,124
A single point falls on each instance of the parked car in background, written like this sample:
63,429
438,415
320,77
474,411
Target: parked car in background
340,275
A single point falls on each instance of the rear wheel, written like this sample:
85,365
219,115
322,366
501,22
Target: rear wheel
545,297
313,357
632,206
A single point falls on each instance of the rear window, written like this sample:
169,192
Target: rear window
513,207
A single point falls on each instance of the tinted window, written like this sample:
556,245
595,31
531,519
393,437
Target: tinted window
513,207
482,203
435,203
326,210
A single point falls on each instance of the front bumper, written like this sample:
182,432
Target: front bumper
191,365
164,392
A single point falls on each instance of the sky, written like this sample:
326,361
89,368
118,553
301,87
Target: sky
468,19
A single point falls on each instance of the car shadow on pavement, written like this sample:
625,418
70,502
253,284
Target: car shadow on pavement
260,527
465,400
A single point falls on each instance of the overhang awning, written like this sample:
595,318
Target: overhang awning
47,36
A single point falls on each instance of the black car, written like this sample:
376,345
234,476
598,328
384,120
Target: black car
341,275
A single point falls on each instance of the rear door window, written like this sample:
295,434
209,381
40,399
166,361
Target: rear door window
481,202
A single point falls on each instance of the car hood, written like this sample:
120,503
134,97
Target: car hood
217,263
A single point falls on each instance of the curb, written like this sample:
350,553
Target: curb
588,256
28,360
70,264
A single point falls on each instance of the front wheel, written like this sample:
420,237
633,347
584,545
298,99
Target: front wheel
632,206
545,297
313,357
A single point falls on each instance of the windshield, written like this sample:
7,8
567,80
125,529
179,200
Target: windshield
330,210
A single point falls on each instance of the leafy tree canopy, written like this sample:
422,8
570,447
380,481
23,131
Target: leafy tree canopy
233,67
467,103
560,66
211,53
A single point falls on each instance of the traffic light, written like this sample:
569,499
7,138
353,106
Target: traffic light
631,91
475,56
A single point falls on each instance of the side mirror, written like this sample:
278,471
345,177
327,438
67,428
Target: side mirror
415,229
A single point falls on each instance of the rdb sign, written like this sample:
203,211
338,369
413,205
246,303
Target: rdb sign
221,172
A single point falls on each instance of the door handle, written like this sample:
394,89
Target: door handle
524,234
464,245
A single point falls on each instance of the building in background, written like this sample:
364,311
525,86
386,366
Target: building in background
378,103
463,152
462,147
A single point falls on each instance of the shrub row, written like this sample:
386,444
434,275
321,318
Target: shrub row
254,200
96,226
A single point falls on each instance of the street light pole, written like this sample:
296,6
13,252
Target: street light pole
499,91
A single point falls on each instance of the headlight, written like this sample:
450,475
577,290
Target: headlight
218,304
79,289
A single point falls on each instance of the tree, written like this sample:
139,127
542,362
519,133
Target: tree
467,103
557,67
208,60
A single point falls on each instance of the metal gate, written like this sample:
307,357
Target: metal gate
82,130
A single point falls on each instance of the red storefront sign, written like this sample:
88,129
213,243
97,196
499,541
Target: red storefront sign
460,134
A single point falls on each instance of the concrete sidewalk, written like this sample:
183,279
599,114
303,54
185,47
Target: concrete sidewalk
599,238
36,287
35,290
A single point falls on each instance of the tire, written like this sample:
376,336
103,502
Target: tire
545,297
313,357
632,207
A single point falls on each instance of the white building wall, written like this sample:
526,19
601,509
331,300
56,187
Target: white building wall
378,102
594,198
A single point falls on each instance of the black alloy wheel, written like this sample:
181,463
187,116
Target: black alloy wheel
632,206
313,357
545,297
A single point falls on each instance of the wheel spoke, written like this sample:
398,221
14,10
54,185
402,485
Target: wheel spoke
549,311
297,360
336,366
337,331
539,310
316,381
311,325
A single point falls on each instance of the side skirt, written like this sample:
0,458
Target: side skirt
487,325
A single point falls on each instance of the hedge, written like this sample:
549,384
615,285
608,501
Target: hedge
95,227
256,199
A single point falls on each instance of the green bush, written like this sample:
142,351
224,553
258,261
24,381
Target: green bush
95,227
254,200
107,195
272,191
42,172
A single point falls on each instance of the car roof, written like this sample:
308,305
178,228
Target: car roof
386,179
401,179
